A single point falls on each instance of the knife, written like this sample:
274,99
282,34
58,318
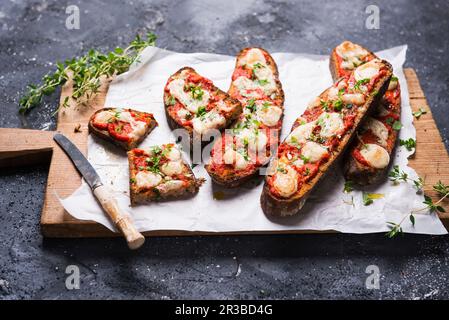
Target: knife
103,194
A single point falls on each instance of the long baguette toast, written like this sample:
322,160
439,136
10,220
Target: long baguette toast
378,134
254,136
125,128
320,136
193,102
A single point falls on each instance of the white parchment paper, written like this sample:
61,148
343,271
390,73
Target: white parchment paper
303,77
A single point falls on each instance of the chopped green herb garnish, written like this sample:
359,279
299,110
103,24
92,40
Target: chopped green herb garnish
389,120
171,101
441,188
262,82
304,158
348,187
396,175
201,111
196,91
251,105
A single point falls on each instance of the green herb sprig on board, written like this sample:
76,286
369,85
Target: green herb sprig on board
85,72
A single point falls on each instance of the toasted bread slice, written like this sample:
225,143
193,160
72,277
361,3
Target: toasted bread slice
193,102
241,151
320,136
125,128
366,161
160,173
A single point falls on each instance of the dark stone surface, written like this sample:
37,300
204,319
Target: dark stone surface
33,35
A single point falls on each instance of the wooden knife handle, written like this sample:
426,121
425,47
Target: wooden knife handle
122,221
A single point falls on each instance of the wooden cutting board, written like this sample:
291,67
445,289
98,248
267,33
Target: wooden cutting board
20,147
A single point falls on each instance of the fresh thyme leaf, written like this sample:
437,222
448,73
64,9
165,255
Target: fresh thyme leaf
389,120
324,105
282,170
304,158
85,72
409,144
419,113
360,83
412,219
251,105
197,92
338,105
419,184
368,198
395,230
396,175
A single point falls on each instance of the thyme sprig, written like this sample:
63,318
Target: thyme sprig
85,72
443,192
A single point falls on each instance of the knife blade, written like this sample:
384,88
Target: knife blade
103,194
79,160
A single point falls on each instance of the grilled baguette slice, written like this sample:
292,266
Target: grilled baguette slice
366,161
249,144
193,102
319,137
160,173
125,128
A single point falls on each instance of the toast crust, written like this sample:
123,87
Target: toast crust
275,206
104,134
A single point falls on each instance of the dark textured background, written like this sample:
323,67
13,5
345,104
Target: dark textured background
33,36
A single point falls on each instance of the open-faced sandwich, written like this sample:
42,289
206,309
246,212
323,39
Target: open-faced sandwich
160,173
125,128
193,102
320,136
253,138
367,159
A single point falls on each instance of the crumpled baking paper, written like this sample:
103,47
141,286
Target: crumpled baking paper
217,209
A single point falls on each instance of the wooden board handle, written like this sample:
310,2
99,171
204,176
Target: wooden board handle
122,221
